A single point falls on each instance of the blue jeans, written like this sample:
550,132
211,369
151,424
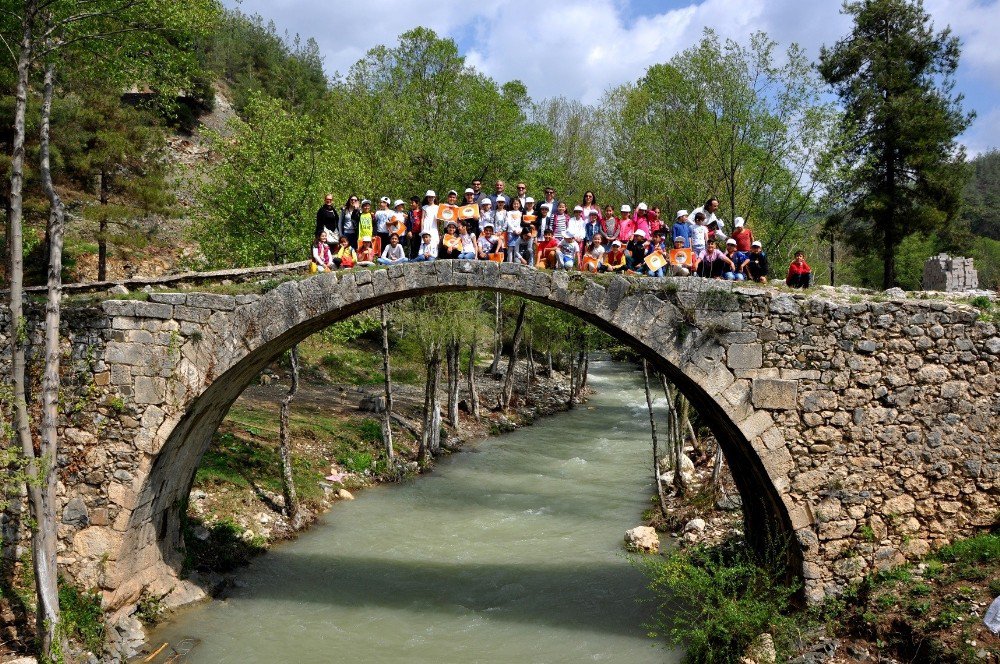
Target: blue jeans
467,256
734,276
386,261
421,258
657,273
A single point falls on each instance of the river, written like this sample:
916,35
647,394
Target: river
508,552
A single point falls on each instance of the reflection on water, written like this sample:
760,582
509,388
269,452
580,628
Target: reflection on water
508,553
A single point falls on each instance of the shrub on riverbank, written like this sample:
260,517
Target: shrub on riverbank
715,600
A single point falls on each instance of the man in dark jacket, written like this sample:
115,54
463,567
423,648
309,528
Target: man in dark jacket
327,218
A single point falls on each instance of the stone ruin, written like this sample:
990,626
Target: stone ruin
944,273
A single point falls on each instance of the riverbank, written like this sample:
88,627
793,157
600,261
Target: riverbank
926,611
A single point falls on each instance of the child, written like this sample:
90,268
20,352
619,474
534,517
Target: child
467,239
345,257
593,227
414,220
428,251
366,254
451,243
658,246
382,217
393,253
635,251
742,235
366,224
712,263
756,268
560,221
397,222
567,253
699,234
738,258
523,251
682,229
679,270
514,216
595,251
799,272
577,226
613,260
488,243
485,212
322,258
546,251
610,226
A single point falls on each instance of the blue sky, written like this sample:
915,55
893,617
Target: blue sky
580,48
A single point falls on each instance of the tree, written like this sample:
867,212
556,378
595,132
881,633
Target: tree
117,39
904,169
981,207
738,121
285,446
259,198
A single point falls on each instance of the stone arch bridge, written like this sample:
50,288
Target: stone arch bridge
863,430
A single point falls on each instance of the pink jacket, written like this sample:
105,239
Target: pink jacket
631,225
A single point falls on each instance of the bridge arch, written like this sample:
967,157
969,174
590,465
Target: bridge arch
695,332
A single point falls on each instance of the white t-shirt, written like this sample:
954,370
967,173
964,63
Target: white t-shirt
576,228
429,223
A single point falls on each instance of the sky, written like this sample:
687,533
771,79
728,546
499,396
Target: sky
580,48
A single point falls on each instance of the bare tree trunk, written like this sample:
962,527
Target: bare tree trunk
508,381
44,510
434,441
531,362
452,358
676,437
102,231
287,479
656,449
425,419
572,381
387,412
497,336
716,480
585,365
548,362
473,390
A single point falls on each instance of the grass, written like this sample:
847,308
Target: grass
82,616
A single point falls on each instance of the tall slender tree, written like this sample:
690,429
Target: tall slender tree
904,170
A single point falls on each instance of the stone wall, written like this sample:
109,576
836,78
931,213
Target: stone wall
944,273
862,429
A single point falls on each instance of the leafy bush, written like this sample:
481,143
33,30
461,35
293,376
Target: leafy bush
355,461
714,601
350,329
82,617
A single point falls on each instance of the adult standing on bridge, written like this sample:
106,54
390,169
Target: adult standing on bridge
709,209
499,194
327,219
429,206
350,220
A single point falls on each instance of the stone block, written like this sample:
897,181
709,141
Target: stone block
745,356
168,298
774,394
212,301
153,310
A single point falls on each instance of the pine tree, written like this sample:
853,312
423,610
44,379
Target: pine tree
903,169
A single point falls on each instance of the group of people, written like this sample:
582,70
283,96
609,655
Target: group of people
546,234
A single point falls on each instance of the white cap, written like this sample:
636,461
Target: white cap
626,208
682,213
528,199
738,222
427,233
756,243
730,241
452,191
640,232
487,225
641,206
616,243
399,201
501,199
678,239
384,199
578,208
430,192
367,238
470,190
485,200
365,200
545,205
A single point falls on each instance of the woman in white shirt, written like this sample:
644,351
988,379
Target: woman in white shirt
430,208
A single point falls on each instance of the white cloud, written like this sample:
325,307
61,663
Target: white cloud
580,48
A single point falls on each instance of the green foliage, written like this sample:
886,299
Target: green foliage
900,169
986,252
259,199
149,609
715,601
252,58
82,617
350,329
969,555
910,255
756,120
981,204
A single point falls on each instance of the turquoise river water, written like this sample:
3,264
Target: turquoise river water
508,552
